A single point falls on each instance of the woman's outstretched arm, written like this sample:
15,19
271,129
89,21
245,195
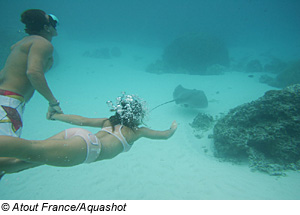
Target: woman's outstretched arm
153,134
79,120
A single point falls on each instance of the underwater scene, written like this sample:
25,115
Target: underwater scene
228,72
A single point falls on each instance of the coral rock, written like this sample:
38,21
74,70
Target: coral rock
266,131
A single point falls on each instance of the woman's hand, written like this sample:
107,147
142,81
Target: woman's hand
174,125
173,128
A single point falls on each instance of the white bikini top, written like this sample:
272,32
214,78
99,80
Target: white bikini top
118,134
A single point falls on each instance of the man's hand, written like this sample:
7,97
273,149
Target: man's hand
52,110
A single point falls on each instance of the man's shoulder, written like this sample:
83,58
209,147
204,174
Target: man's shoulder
39,40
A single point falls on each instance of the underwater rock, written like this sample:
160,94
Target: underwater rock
254,66
156,67
275,66
102,53
266,79
266,131
192,54
215,69
202,123
289,76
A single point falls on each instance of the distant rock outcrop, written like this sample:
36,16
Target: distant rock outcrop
266,131
254,66
289,76
197,54
275,65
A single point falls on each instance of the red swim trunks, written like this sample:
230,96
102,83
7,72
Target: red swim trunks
11,111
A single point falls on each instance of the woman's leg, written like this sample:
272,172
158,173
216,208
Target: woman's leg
13,165
59,136
56,152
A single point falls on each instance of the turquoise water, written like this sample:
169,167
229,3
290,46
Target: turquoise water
182,167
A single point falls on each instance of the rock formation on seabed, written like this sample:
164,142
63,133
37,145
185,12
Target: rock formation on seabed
265,131
195,54
201,124
289,76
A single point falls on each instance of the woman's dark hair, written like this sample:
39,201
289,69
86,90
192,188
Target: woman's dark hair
34,20
131,115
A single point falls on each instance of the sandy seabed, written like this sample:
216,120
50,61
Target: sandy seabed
182,167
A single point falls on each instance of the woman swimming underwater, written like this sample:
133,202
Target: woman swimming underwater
75,146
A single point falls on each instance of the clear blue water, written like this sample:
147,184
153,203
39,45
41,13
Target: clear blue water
182,167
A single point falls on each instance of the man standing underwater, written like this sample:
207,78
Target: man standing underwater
23,73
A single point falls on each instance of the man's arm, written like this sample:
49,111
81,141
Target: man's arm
38,58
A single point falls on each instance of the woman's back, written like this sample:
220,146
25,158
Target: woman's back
115,140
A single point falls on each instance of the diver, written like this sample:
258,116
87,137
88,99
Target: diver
75,146
23,73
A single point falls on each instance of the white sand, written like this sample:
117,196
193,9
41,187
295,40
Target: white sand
178,168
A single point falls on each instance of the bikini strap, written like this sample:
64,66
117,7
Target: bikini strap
110,132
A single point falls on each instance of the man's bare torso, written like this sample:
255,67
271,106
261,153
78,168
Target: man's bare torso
13,76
